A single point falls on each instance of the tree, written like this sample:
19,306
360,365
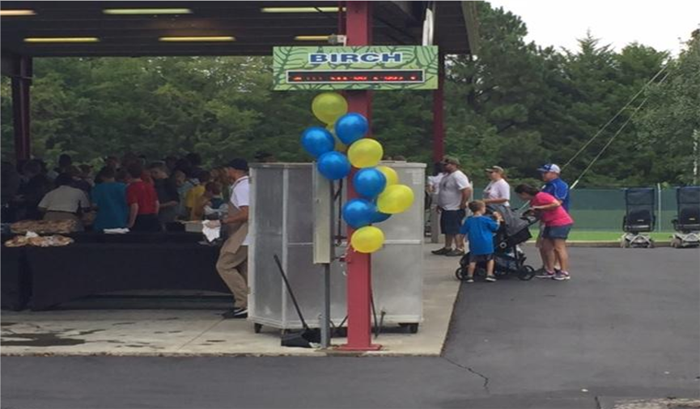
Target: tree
673,115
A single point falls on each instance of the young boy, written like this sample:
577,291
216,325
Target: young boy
479,229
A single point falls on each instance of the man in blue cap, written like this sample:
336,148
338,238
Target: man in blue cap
556,187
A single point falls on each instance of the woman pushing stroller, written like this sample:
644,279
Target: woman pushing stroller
557,224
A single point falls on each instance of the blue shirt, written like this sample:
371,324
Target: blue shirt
479,230
560,190
112,211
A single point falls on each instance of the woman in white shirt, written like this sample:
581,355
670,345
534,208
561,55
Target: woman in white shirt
498,190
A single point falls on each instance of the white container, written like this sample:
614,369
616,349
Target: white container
281,222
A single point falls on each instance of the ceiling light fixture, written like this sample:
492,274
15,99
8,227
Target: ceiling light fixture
134,12
300,9
200,39
311,38
14,13
61,40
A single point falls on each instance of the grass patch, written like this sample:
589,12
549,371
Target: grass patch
602,235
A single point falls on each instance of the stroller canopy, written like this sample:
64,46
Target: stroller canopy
512,219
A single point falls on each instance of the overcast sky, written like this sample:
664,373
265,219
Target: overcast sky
659,24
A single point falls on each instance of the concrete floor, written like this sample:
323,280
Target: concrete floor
202,332
623,333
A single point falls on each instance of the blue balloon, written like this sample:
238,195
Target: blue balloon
379,217
358,213
351,127
333,165
317,141
369,182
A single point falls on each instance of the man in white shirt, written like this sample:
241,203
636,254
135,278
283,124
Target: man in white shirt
455,191
64,202
232,265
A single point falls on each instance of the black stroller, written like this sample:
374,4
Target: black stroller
640,204
508,257
687,226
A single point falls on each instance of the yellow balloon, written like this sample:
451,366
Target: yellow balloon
329,106
395,199
367,239
392,177
365,153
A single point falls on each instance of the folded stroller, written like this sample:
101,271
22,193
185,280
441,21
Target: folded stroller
687,225
639,218
508,257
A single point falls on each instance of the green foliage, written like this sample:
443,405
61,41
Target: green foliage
516,105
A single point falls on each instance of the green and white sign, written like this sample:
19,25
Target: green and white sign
355,68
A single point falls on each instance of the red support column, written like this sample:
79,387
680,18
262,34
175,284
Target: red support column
439,113
359,32
20,107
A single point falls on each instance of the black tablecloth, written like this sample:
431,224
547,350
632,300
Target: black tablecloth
99,263
16,279
61,274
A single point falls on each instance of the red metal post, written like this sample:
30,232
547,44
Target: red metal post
359,32
439,113
20,107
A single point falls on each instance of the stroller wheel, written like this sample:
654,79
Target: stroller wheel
526,273
461,274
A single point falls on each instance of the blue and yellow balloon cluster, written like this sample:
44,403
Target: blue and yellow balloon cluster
378,186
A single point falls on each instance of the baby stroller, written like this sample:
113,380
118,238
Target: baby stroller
687,226
508,257
639,217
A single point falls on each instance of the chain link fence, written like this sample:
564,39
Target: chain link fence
603,209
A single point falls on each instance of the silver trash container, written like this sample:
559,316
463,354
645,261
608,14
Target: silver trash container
281,223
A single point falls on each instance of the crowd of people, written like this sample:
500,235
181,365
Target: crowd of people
453,193
132,193
126,193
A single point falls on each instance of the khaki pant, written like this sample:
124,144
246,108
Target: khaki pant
233,269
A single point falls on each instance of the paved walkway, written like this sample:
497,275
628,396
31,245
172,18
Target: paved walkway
200,332
623,333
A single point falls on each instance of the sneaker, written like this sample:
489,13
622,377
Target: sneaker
441,252
561,276
470,279
236,313
542,273
455,253
490,279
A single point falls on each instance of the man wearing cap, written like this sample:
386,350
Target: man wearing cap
232,265
498,190
556,187
455,191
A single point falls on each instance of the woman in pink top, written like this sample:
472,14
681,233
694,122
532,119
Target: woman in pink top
557,224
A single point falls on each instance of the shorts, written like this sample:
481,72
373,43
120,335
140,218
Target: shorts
480,258
451,221
556,232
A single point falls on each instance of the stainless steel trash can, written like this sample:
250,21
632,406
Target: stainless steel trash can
281,222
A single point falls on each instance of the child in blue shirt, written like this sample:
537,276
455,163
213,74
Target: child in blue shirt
479,229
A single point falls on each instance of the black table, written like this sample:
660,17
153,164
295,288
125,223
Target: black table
98,263
15,278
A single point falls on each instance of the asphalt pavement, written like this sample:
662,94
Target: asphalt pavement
627,325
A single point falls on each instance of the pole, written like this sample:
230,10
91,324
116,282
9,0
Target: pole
658,224
20,107
696,138
439,112
326,313
359,278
